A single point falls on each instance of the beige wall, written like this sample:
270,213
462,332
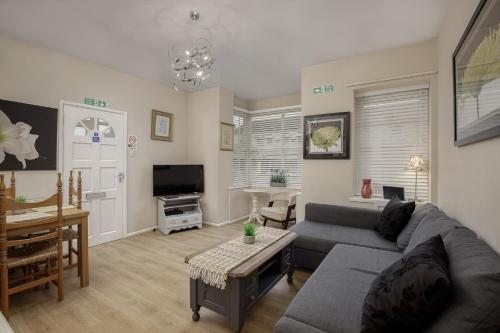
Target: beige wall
225,168
202,115
206,109
39,76
331,181
469,182
273,102
240,102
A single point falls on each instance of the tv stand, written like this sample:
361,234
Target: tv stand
179,213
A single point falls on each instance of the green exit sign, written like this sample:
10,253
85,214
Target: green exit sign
94,102
326,89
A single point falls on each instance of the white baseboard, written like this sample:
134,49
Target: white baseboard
220,224
135,233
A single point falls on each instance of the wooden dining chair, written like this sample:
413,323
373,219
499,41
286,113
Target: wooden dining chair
282,213
10,192
32,251
70,234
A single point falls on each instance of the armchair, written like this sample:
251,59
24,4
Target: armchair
282,213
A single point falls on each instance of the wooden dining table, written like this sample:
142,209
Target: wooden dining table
43,218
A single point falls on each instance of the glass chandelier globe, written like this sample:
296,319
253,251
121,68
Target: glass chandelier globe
192,63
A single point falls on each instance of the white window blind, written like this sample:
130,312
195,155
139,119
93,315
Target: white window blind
389,128
266,141
240,152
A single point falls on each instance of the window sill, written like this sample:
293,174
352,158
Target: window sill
377,201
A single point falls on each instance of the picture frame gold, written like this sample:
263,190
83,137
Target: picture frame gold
226,137
161,125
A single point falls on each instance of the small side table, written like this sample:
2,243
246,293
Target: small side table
254,214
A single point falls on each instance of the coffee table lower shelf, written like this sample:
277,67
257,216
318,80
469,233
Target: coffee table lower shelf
242,292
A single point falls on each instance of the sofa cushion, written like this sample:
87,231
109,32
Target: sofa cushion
475,272
407,295
394,218
418,214
434,223
276,213
332,298
289,325
322,237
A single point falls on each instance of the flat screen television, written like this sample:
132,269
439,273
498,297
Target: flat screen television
171,180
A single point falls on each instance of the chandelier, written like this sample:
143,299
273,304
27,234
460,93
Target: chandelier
193,63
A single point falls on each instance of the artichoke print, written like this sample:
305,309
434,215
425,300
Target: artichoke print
326,137
482,67
16,140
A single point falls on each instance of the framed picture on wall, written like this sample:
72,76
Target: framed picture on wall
327,136
161,125
226,140
28,137
476,76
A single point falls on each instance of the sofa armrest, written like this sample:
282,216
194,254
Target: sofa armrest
342,215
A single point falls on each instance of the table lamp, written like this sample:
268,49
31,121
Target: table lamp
417,164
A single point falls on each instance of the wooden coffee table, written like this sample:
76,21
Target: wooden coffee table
246,283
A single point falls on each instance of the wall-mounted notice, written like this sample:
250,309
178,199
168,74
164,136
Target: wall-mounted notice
132,145
94,102
326,89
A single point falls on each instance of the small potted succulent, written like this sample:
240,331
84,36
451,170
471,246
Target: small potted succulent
278,177
249,235
20,199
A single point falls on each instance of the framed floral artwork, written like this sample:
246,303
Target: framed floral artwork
327,136
28,137
161,125
226,141
476,74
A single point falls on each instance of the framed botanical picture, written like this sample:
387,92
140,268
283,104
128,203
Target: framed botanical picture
326,136
161,125
476,76
28,137
226,136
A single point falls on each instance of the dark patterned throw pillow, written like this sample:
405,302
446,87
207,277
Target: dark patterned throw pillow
394,218
407,295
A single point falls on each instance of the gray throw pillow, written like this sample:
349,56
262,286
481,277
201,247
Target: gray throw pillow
434,223
475,274
417,216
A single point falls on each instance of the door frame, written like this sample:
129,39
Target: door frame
60,145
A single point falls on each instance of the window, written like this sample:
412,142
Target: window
87,125
390,127
264,141
240,152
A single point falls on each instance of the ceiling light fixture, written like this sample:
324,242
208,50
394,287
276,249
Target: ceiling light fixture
192,64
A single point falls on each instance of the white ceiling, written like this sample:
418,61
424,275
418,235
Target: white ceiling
260,45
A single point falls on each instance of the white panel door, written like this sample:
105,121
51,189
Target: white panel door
93,143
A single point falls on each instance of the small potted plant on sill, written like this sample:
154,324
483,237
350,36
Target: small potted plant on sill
249,235
278,177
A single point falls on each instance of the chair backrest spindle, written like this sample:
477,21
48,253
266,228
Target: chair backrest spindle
3,240
13,185
70,188
79,191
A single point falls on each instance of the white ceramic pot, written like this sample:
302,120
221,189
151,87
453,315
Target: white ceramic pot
248,239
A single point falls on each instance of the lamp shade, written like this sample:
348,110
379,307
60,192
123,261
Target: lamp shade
416,163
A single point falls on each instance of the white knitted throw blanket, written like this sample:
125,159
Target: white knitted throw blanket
213,266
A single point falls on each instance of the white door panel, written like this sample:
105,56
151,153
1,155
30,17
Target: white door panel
93,143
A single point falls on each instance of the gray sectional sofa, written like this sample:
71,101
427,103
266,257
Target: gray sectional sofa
339,243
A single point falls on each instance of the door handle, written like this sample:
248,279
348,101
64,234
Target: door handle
121,177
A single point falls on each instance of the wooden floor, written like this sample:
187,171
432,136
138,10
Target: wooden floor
140,284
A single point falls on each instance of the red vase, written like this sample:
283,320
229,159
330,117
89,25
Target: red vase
366,190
